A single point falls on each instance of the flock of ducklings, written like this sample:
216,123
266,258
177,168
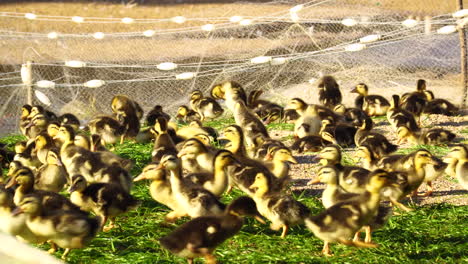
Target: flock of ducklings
188,174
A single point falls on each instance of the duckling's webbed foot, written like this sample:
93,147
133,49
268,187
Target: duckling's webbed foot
326,250
110,226
401,206
430,189
172,216
210,259
285,231
368,238
65,253
53,248
357,236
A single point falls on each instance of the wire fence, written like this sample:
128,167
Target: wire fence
80,63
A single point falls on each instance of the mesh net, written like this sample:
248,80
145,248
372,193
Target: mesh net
279,46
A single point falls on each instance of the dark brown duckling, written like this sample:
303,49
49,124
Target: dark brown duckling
200,236
69,119
329,92
154,114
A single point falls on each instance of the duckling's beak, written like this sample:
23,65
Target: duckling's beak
12,182
292,160
268,156
182,153
315,181
259,219
17,211
139,177
59,163
160,167
72,188
30,124
354,90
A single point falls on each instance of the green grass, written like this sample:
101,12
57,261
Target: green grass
430,234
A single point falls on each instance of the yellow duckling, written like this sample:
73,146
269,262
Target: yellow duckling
280,157
200,236
196,156
457,159
163,144
282,210
231,92
398,116
377,142
108,128
105,200
36,126
24,118
193,199
186,115
309,123
67,229
439,106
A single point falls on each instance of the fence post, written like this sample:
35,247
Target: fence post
463,59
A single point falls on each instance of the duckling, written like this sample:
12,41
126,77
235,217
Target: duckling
200,236
432,172
161,190
309,144
234,134
230,91
206,107
131,124
329,92
24,118
91,165
378,143
163,144
193,199
52,129
397,116
24,178
69,119
43,143
341,221
413,164
415,102
52,176
105,200
435,136
185,115
216,182
267,111
37,125
196,156
37,109
67,229
290,116
333,192
26,154
250,124
366,155
351,178
108,128
373,105
439,106
209,131
14,225
458,164
355,116
264,146
154,114
282,210
122,104
280,157
338,133
309,123
6,157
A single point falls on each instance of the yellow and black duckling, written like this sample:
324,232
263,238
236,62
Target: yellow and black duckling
36,126
366,156
206,107
14,225
378,143
434,136
230,91
163,144
281,209
216,182
105,200
37,109
26,154
309,144
110,129
186,115
235,136
264,146
69,119
351,178
209,131
196,156
413,164
200,236
338,133
91,165
52,176
309,122
398,117
290,116
24,178
415,102
52,129
457,160
121,104
329,92
155,113
433,171
44,143
193,199
439,106
267,111
341,221
24,118
66,229
372,105
278,162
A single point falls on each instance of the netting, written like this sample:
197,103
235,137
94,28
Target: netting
79,63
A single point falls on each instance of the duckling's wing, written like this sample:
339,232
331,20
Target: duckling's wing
290,209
